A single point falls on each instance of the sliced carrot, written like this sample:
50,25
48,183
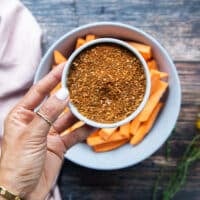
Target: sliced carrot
72,128
155,77
105,133
92,141
58,86
124,130
161,74
109,146
66,110
58,57
80,42
153,100
146,126
145,50
95,133
134,125
90,37
116,136
152,64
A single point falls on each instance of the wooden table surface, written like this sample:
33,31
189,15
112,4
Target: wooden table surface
176,24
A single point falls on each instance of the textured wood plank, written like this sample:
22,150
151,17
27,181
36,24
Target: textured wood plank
176,24
132,183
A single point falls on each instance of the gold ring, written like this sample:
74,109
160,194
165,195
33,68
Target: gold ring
44,118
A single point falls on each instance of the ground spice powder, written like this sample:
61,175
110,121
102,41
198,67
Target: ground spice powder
106,83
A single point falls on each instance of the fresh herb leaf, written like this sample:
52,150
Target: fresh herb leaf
178,179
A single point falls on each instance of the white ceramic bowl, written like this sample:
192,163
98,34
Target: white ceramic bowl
72,107
126,155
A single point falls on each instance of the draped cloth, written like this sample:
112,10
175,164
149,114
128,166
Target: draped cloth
20,54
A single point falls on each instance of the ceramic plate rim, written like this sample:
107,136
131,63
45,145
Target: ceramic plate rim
178,88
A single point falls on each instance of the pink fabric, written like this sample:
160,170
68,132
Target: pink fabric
20,54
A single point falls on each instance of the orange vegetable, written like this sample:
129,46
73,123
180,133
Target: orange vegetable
134,125
95,133
58,86
152,64
58,57
105,133
155,77
72,128
116,136
146,126
92,141
124,130
153,100
66,110
80,42
109,146
161,74
145,50
90,37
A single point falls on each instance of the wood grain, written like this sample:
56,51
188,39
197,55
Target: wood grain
176,24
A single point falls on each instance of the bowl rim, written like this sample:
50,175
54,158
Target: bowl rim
123,44
156,146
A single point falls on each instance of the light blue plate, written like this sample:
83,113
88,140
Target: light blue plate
126,155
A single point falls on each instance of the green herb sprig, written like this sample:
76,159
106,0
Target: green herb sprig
177,180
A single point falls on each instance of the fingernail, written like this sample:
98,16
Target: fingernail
62,94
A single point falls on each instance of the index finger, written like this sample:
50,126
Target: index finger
37,92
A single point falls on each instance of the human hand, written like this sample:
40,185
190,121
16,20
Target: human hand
31,158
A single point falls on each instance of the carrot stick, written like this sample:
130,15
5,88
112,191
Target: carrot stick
72,128
145,50
58,57
109,146
152,64
80,42
146,126
161,74
90,37
116,136
92,141
155,77
95,133
66,110
153,100
124,130
134,125
105,133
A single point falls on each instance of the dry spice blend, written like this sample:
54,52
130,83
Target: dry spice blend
106,83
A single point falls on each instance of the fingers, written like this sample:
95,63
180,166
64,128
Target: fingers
50,109
38,91
58,144
77,136
64,122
